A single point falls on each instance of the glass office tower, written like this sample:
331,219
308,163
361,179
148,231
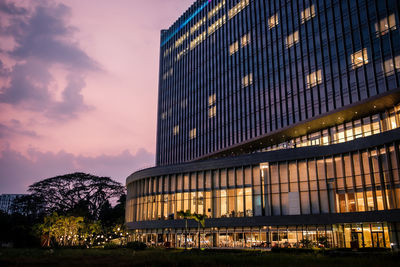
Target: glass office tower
278,120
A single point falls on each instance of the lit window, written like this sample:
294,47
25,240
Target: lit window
176,129
233,48
192,133
239,7
291,39
391,64
212,112
181,39
195,27
273,21
247,80
163,115
214,11
181,53
216,25
211,99
307,13
245,40
359,58
314,78
384,25
196,41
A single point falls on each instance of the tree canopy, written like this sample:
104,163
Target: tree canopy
76,193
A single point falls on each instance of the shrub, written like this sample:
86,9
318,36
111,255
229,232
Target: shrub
136,245
111,246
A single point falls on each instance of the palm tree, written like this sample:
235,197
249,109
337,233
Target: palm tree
199,218
186,215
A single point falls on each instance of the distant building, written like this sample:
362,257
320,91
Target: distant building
279,121
6,201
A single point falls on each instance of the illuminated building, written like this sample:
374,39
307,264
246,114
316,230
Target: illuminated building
279,120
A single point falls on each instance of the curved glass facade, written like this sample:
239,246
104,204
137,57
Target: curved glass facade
357,181
279,121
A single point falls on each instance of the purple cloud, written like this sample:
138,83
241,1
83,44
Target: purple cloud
18,171
43,39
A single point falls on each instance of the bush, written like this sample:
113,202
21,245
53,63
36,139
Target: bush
136,245
294,250
111,246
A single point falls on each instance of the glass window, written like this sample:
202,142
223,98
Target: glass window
192,133
307,13
212,112
247,80
291,39
176,130
359,58
247,176
211,99
249,202
391,64
239,202
384,25
273,21
233,48
239,177
245,40
314,78
237,8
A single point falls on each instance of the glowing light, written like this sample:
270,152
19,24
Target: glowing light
185,22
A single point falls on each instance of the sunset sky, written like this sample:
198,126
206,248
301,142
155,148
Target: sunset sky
78,87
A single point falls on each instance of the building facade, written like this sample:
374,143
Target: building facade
279,121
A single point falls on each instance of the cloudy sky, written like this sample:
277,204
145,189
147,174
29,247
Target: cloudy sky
78,87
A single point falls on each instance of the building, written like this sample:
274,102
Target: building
279,120
6,202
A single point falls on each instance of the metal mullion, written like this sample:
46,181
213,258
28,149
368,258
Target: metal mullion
280,85
390,168
336,184
362,176
363,45
298,186
309,187
303,74
331,210
260,69
353,51
318,188
391,44
313,98
372,173
297,99
279,187
322,53
382,179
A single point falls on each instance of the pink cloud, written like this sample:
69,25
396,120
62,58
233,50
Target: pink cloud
79,77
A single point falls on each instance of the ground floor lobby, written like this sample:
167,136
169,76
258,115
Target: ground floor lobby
352,235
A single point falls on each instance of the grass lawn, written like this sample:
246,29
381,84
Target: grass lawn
161,257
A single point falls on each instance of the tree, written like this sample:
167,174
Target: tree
199,218
110,216
78,194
